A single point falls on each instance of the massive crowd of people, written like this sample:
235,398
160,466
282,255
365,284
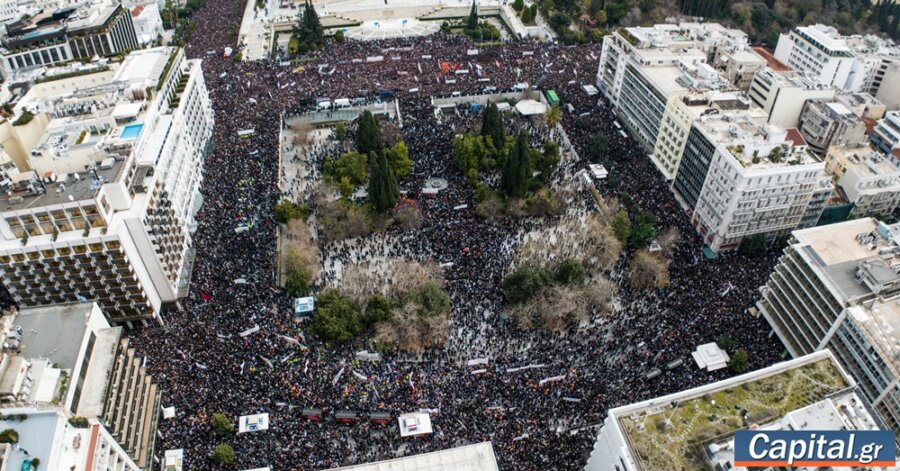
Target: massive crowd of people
204,366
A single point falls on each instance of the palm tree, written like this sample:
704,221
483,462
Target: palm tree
553,117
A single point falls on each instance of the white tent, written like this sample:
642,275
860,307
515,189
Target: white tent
415,423
590,90
710,356
530,107
253,423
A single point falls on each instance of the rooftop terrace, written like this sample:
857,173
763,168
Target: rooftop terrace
667,438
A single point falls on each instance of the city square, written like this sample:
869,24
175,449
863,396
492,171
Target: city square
445,235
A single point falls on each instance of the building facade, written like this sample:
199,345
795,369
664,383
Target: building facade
58,444
739,178
886,134
869,179
111,214
68,358
824,124
67,34
820,53
836,288
782,96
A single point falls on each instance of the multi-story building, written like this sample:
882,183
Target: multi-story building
106,210
739,178
69,359
854,63
67,34
869,179
863,105
694,429
147,22
47,437
739,67
828,123
782,96
819,52
886,134
836,288
679,116
890,95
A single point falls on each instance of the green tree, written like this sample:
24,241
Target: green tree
472,21
546,161
352,165
220,424
621,226
492,125
516,169
9,436
740,361
553,117
471,155
432,300
527,16
368,136
753,246
725,342
286,210
340,132
308,30
297,282
524,283
378,309
643,230
571,272
337,319
398,155
383,188
223,454
518,5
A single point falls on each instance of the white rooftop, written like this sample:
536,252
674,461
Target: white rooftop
710,356
530,107
478,457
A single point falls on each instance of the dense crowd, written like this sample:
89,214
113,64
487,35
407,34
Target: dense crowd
205,367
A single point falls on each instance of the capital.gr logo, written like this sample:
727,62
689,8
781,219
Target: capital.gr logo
756,448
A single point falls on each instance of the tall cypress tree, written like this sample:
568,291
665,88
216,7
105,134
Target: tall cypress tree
492,125
368,137
383,187
472,22
516,169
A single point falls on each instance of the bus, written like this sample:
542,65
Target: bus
552,98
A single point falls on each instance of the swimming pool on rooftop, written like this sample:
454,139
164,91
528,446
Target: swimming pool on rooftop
132,131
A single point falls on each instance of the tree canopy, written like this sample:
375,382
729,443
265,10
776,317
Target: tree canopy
308,30
368,136
383,188
516,169
492,125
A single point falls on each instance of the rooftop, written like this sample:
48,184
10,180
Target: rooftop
77,188
477,457
771,61
835,244
755,144
664,433
54,332
864,161
881,324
